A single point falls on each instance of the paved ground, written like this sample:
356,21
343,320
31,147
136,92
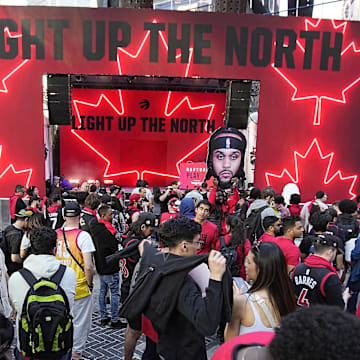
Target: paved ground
105,343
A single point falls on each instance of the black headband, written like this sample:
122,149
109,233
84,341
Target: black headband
227,142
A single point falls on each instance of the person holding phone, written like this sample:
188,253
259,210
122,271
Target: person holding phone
270,297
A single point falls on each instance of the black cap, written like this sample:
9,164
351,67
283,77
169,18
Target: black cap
113,188
72,209
327,240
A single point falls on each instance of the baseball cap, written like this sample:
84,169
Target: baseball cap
113,188
72,209
174,203
229,349
24,213
134,197
106,199
327,240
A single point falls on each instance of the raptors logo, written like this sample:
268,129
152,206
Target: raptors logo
144,104
123,268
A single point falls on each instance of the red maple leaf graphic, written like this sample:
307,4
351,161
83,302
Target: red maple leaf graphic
14,70
312,170
115,108
312,85
10,172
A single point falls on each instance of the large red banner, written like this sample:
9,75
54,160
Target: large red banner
307,128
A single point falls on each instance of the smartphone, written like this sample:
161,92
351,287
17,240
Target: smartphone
240,282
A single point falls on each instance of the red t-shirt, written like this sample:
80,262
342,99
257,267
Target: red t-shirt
167,216
266,237
290,250
209,237
240,260
295,209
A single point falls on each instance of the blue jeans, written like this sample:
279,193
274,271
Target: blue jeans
109,282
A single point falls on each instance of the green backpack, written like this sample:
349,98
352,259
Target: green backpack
45,324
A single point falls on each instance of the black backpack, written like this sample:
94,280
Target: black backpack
350,226
253,225
230,254
45,324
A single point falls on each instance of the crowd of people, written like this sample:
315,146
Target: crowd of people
272,280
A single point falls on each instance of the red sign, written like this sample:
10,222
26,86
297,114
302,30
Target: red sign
307,128
129,134
192,174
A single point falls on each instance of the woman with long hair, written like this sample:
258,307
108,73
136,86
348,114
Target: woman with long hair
35,221
236,238
270,297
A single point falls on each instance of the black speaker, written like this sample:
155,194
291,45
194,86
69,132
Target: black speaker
237,104
59,99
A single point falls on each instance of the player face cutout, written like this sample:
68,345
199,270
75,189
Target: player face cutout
225,158
226,163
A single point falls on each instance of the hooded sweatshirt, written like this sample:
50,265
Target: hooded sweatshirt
259,203
41,266
16,203
187,208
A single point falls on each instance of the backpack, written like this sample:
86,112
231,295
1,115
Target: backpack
45,325
253,225
349,226
215,217
9,232
230,254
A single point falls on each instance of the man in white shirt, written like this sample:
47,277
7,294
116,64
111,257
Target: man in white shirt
142,184
320,199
